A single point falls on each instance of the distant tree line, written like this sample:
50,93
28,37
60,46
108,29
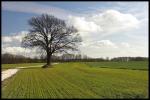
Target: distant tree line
9,58
76,58
129,59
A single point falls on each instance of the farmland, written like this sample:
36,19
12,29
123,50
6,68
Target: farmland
134,65
77,80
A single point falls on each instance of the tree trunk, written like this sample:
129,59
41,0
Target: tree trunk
48,59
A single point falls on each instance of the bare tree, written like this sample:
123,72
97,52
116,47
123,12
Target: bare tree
52,35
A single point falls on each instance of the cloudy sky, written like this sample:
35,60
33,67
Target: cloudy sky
108,29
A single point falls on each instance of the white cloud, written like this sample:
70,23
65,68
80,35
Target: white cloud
107,44
14,38
7,39
124,44
95,27
105,23
113,21
85,27
12,44
103,44
21,51
13,50
107,48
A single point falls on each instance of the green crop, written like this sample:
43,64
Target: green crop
139,65
76,80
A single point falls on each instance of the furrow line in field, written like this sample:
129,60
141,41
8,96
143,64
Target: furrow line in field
79,83
38,85
47,85
53,85
73,86
14,87
53,78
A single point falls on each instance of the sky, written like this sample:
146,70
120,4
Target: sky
108,29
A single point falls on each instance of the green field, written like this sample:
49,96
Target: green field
139,65
77,80
8,66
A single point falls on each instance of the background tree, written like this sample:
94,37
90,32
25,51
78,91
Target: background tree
52,35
